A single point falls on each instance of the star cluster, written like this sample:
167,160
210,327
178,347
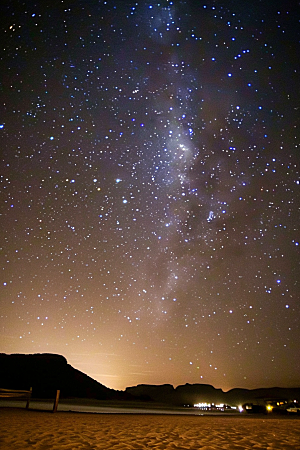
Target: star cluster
150,189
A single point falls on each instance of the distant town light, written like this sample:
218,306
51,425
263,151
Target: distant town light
202,405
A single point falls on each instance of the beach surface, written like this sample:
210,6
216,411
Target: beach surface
43,430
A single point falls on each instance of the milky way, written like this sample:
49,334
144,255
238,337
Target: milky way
150,189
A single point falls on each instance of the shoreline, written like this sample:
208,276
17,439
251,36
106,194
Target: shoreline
77,408
112,408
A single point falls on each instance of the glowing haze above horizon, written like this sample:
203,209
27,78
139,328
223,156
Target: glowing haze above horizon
150,189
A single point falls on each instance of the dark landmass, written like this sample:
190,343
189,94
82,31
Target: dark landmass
46,373
190,394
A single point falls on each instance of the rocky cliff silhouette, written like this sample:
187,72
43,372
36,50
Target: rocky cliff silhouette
190,394
46,373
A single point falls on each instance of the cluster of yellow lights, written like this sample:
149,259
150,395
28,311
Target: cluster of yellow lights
208,405
205,405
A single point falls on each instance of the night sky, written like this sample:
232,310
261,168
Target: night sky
150,202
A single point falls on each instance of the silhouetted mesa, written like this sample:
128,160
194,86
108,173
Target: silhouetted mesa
46,373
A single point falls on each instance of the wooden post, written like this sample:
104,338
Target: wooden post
28,398
56,401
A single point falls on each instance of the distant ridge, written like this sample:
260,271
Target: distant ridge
190,394
47,372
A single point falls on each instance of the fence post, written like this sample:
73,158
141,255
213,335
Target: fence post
56,401
28,398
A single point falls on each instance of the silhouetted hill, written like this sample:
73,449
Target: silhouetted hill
190,394
255,395
163,393
46,373
203,392
187,394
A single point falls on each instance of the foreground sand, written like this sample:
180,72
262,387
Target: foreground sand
21,429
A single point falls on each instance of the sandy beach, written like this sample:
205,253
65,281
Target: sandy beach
21,429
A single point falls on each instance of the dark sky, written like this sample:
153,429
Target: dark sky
150,189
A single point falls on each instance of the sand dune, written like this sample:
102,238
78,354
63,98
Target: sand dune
21,429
